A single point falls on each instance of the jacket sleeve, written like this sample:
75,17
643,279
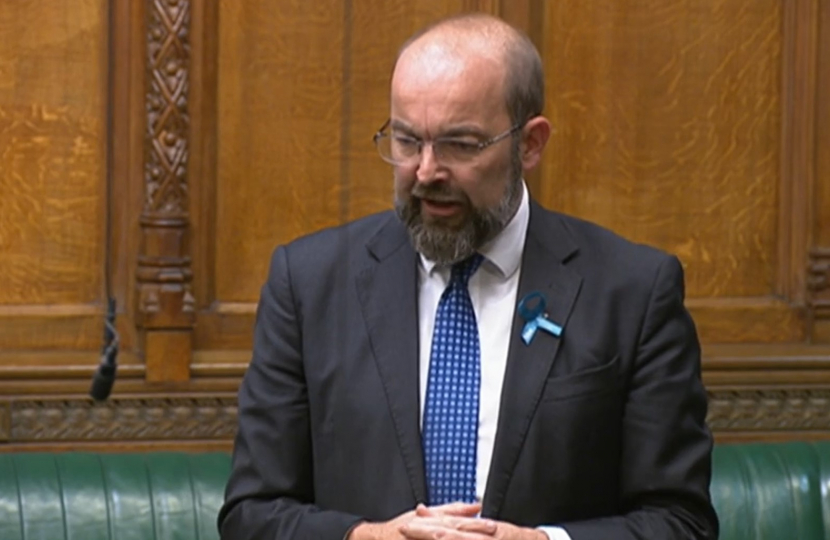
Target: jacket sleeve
270,492
665,465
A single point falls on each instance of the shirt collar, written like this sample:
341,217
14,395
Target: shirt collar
504,251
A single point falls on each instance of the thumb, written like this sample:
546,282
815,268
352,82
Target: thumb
458,509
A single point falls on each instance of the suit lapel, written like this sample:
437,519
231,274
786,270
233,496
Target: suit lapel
547,247
387,289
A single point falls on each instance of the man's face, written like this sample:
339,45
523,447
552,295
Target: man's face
451,209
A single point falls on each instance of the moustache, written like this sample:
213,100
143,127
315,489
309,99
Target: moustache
441,193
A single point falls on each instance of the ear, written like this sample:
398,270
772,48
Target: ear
535,135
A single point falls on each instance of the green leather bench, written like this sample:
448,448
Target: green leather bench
761,492
772,491
78,496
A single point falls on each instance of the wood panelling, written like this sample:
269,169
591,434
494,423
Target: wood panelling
668,125
47,327
52,156
668,129
52,137
278,132
236,126
748,320
298,129
667,116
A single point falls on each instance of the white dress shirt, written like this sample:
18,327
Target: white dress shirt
493,290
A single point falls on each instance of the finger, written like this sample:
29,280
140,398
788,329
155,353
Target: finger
458,509
482,526
476,525
429,531
423,530
423,511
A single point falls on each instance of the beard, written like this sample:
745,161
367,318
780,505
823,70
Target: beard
447,245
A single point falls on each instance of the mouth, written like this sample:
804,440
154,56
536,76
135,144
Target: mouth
441,208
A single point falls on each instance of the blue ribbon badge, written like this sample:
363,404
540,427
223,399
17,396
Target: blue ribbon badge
532,310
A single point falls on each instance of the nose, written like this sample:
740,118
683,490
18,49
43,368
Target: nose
427,164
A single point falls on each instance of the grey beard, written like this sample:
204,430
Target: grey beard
447,246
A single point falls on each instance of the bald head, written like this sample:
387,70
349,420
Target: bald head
478,39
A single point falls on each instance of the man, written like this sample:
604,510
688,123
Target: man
471,366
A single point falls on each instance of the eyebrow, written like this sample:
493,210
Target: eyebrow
401,126
462,131
455,131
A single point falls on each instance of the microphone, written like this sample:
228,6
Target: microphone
104,376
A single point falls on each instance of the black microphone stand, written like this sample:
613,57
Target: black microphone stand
105,375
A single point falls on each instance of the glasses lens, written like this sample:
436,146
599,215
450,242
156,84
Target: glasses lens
398,149
383,146
404,149
452,151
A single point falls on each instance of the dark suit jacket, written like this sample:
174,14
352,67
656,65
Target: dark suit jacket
600,431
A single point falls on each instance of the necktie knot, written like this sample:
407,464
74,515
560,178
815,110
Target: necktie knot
463,270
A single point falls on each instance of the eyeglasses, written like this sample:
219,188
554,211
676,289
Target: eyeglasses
401,149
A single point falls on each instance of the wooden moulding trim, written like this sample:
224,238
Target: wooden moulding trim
175,417
50,310
758,378
786,409
12,389
233,308
54,332
64,365
742,437
64,372
747,320
195,446
812,362
785,412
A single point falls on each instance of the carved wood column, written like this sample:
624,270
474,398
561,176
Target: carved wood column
165,302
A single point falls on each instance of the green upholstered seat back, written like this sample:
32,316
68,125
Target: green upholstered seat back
760,491
768,491
85,496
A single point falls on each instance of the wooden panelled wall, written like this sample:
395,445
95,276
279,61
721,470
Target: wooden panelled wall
227,128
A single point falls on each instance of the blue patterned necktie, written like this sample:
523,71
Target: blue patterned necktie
450,430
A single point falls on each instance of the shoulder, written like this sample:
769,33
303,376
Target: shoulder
607,255
334,249
342,239
599,241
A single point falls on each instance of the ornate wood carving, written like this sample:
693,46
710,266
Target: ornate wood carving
165,301
123,419
818,282
769,410
5,422
214,418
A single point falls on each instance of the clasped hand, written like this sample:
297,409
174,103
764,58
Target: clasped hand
455,521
